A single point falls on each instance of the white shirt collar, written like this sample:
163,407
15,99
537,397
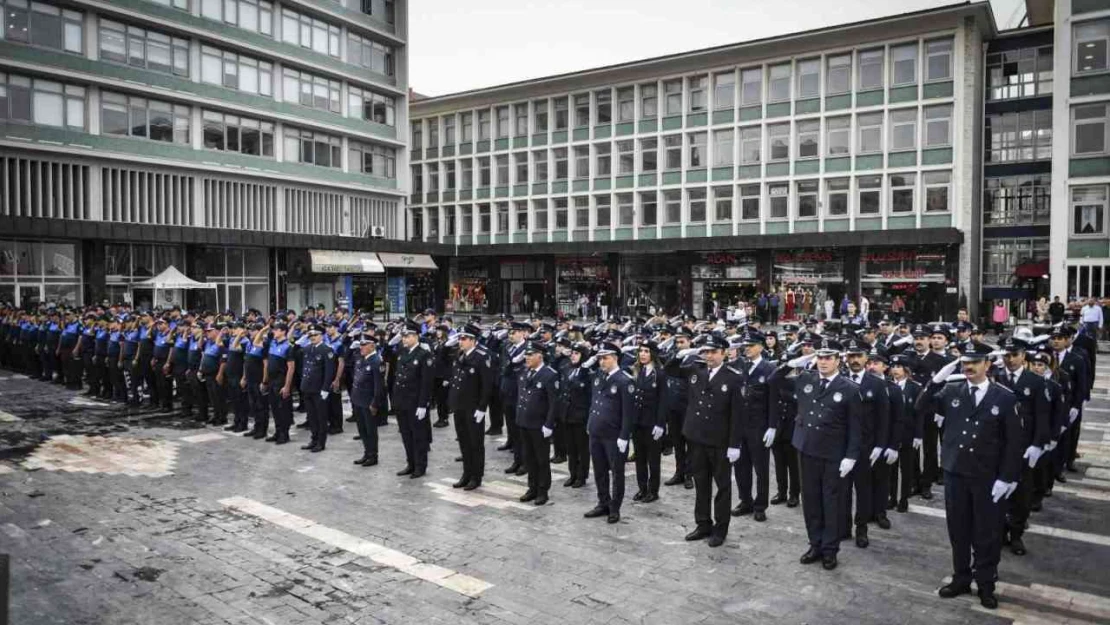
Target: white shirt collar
614,372
830,378
714,370
755,363
982,386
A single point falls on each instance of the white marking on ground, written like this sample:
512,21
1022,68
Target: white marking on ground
81,401
7,417
447,578
203,438
1094,606
473,499
1043,530
5,469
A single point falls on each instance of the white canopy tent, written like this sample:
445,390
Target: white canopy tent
172,279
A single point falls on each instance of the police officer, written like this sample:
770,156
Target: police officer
783,411
277,385
713,428
649,379
254,364
576,386
1073,361
874,435
982,455
758,432
317,374
67,352
211,372
537,409
512,364
932,362
115,359
367,396
471,382
198,390
910,434
675,395
177,366
235,383
612,417
827,436
158,378
411,396
1041,363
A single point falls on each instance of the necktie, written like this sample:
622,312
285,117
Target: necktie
824,385
975,395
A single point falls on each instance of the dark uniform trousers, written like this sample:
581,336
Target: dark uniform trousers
608,465
184,389
821,502
753,455
115,376
786,466
199,392
237,399
217,398
92,369
151,375
578,450
711,463
367,430
648,459
861,480
537,458
318,418
137,367
675,417
904,474
281,407
334,411
980,531
163,383
508,407
415,436
472,445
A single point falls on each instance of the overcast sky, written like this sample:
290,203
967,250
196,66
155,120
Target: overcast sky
459,45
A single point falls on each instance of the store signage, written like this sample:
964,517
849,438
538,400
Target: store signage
395,289
901,265
805,257
808,267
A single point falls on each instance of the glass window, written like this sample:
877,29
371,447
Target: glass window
1088,207
838,78
253,15
466,220
626,211
501,161
649,101
672,93
938,123
484,174
809,78
836,197
1089,129
938,60
560,213
648,209
603,101
562,168
672,151
308,32
245,135
1021,73
502,217
1092,40
751,86
870,133
581,110
539,214
870,195
42,24
521,210
751,145
449,221
520,115
870,69
381,109
672,207
143,48
722,204
320,93
467,127
369,54
1017,200
466,174
809,138
539,117
484,125
698,155
380,161
649,154
626,104
581,212
448,127
778,141
903,129
838,135
602,159
722,147
779,196
41,102
626,157
561,118
581,161
539,162
779,83
449,178
749,202
937,185
139,117
902,187
1020,136
698,85
807,199
903,64
697,205
602,210
1001,256
502,122
312,148
235,71
520,162
724,90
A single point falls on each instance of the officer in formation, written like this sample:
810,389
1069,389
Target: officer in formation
368,395
319,367
537,410
468,399
410,399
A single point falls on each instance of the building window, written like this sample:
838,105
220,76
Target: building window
698,85
626,104
902,188
809,78
416,173
903,65
839,135
581,161
938,126
779,83
778,141
807,199
539,215
1001,256
1023,136
370,54
602,210
561,113
722,204
41,102
502,122
562,168
521,211
539,118
809,139
696,198
722,147
1092,40
626,157
381,109
177,4
143,48
672,152
838,77
1088,209
648,209
235,71
698,156
501,162
448,127
42,24
560,213
903,129
309,32
232,133
582,110
1022,73
467,127
603,159
449,225
649,154
483,219
672,207
603,103
581,212
724,90
417,133
672,94
751,87
1089,129
751,145
649,101
314,92
870,69
938,60
520,161
377,160
779,195
870,133
539,162
484,174
836,197
484,124
626,210
937,185
381,9
449,179
143,118
433,177
749,202
466,221
1017,201
466,174
502,209
869,195
253,15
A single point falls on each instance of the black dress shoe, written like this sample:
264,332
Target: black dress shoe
926,494
580,483
463,481
303,426
417,473
675,480
689,484
257,435
650,497
308,446
493,432
540,499
473,484
505,447
699,534
371,461
639,496
1063,479
829,562
233,428
513,468
570,481
316,449
350,419
597,511
559,459
614,517
1071,469
743,509
335,430
882,522
760,516
952,590
716,540
890,503
528,495
360,460
458,458
522,471
1017,546
282,440
441,423
861,537
778,499
988,600
405,471
357,437
1036,506
792,502
940,479
903,505
810,556
272,438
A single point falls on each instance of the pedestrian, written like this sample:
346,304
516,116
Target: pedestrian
1000,316
612,418
471,383
1091,317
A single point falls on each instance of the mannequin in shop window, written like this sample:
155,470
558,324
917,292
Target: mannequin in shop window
830,307
790,303
807,302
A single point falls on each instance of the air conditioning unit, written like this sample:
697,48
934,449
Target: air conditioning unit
377,232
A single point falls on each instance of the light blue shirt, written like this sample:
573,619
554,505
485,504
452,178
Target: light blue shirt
1091,314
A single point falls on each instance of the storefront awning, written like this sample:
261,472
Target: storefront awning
407,261
333,261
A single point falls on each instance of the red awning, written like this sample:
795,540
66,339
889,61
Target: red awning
1032,269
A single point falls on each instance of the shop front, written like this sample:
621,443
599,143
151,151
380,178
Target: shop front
334,278
723,279
806,279
906,282
410,283
34,272
524,287
241,275
467,285
126,264
651,283
582,286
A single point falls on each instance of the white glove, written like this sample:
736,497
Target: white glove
769,437
946,371
656,432
546,431
938,419
421,413
905,340
590,362
917,443
665,345
1073,414
733,454
622,445
446,384
452,341
998,491
1050,446
802,361
323,394
1011,488
426,346
875,453
682,355
891,456
395,340
480,415
1033,454
519,358
846,466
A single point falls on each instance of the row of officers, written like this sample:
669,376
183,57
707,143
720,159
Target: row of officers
856,422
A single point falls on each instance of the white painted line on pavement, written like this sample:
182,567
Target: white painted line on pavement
1043,530
1083,493
473,499
1097,473
1061,598
7,417
203,438
5,469
451,580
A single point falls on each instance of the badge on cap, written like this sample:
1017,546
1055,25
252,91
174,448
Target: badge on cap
870,394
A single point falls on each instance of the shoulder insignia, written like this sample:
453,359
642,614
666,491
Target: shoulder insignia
1003,388
1047,394
556,384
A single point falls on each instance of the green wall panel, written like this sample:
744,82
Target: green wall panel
811,105
1088,6
465,194
647,180
626,128
581,134
749,171
697,175
722,173
1078,167
520,142
482,193
539,188
870,223
936,156
902,159
520,189
777,227
482,146
937,90
779,109
625,182
778,169
807,167
603,184
837,102
501,144
603,132
936,221
648,233
559,236
725,116
749,113
501,191
672,232
901,223
869,98
481,239
559,186
748,228
836,225
838,164
1090,85
448,195
672,177
695,231
500,238
806,225
903,94
466,148
448,150
697,119
602,234
559,136
870,161
722,230
1088,249
580,185
622,234
673,122
649,125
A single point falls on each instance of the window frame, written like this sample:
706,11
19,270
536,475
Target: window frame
915,49
927,185
1075,123
846,191
812,129
861,56
929,54
829,73
787,80
177,112
1074,203
892,145
845,129
1076,41
900,190
719,88
800,75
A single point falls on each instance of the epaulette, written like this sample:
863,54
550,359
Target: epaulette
734,370
1002,387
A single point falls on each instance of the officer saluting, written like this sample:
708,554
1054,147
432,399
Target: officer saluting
612,417
317,374
412,388
368,396
468,399
827,436
981,454
538,405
